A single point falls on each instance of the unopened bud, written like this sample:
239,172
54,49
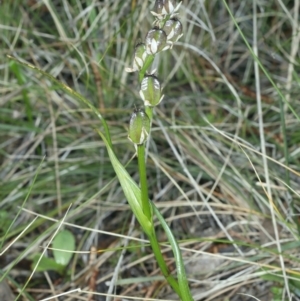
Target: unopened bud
165,7
139,127
151,91
156,40
173,30
140,55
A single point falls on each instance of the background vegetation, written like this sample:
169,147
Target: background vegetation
223,160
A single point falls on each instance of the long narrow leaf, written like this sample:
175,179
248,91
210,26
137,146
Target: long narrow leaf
133,195
131,190
182,280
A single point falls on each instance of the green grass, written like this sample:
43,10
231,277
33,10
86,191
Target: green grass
207,172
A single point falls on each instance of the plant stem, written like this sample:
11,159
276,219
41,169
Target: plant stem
149,112
162,264
147,64
147,210
143,179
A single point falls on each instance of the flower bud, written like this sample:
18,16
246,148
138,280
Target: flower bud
140,55
156,40
165,7
139,127
151,91
173,30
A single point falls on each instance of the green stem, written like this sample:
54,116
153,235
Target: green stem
143,179
163,266
149,112
146,65
147,210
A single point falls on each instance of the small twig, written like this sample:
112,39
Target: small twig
94,273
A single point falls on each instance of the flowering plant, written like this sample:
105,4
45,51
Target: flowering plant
167,30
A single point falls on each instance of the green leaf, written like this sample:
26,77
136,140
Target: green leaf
182,280
130,188
64,240
133,195
46,264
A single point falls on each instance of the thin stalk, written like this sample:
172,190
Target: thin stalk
149,112
163,266
147,210
143,179
147,64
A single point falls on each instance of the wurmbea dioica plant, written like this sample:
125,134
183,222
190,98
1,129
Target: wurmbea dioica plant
166,31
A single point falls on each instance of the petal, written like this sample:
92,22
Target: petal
171,7
129,70
142,95
153,46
